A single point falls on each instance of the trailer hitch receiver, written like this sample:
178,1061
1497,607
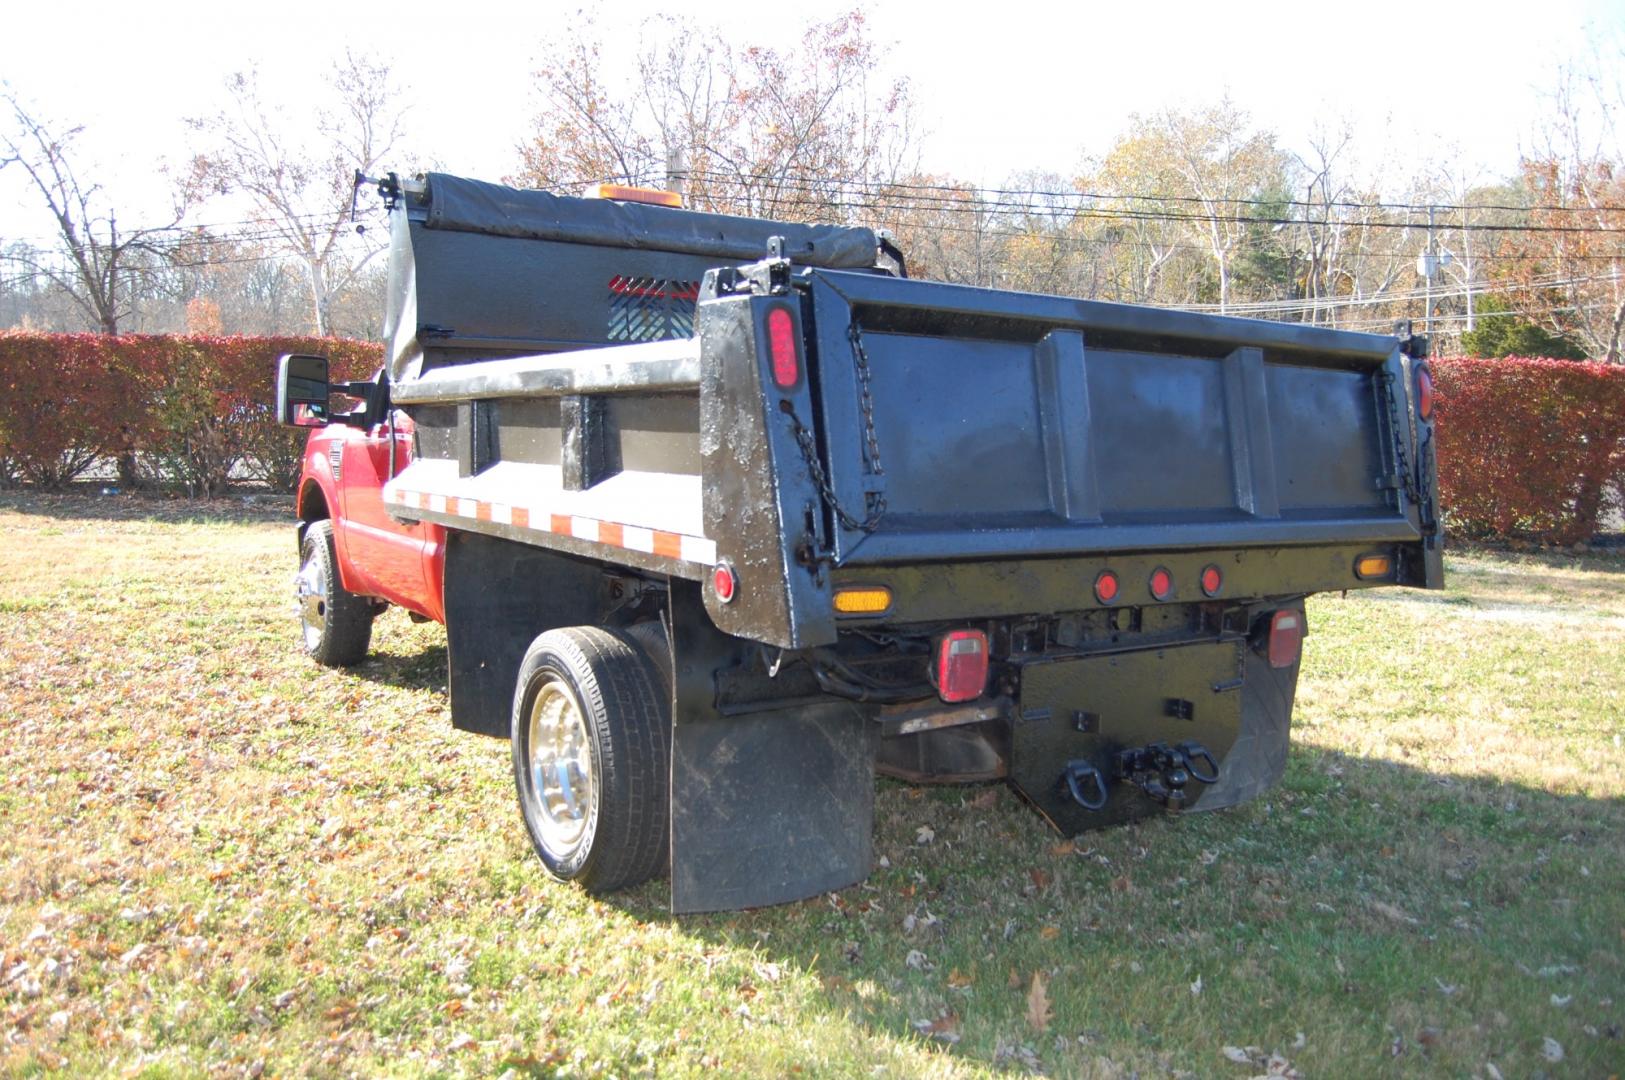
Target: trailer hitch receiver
1162,771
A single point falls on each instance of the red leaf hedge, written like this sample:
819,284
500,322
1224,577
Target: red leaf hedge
1529,447
189,408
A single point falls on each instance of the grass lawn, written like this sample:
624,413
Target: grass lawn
219,859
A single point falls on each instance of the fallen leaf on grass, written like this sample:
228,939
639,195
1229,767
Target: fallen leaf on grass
1038,1012
1237,1055
1391,912
916,960
1040,878
944,1028
1551,1049
1050,933
462,1041
985,800
1196,987
1122,884
924,834
1014,981
341,1011
958,979
1064,848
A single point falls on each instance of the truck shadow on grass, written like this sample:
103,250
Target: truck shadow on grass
1403,920
414,661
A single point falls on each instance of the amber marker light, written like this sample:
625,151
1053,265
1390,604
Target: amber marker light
1373,566
862,599
623,193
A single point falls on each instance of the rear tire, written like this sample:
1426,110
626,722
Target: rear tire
591,741
337,624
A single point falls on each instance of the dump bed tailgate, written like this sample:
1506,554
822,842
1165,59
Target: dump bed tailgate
963,422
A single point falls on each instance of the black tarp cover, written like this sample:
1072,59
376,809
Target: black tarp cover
475,206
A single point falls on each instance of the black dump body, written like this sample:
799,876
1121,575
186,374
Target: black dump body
481,270
600,413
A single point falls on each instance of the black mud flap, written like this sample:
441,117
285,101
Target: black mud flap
1082,719
1257,759
766,807
770,807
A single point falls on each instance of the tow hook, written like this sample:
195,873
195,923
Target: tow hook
1162,771
1086,784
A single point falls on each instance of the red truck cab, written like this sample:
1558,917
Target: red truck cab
355,558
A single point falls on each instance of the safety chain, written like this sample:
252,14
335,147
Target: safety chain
1397,435
866,400
809,452
875,502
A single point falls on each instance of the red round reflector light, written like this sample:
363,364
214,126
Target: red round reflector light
1424,393
1212,581
723,582
781,347
1106,587
1162,584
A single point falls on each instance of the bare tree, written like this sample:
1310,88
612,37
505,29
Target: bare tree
804,132
97,259
303,186
1575,177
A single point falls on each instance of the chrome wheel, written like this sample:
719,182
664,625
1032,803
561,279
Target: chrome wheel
311,589
560,766
336,624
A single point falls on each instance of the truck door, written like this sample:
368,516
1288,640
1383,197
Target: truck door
386,557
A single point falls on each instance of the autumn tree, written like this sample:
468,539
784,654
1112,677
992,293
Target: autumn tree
1574,176
1210,164
298,172
94,259
796,133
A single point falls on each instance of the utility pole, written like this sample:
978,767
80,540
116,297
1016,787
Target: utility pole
1431,263
677,172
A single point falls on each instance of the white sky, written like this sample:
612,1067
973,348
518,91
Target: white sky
1023,87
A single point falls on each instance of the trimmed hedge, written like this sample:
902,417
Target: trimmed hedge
191,410
1528,447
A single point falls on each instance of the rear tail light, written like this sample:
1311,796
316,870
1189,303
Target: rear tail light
1162,584
781,348
1286,638
961,667
1212,581
1424,392
1106,587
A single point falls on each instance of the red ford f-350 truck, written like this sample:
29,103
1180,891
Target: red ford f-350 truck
723,516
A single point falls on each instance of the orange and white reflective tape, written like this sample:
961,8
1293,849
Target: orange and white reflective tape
671,545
